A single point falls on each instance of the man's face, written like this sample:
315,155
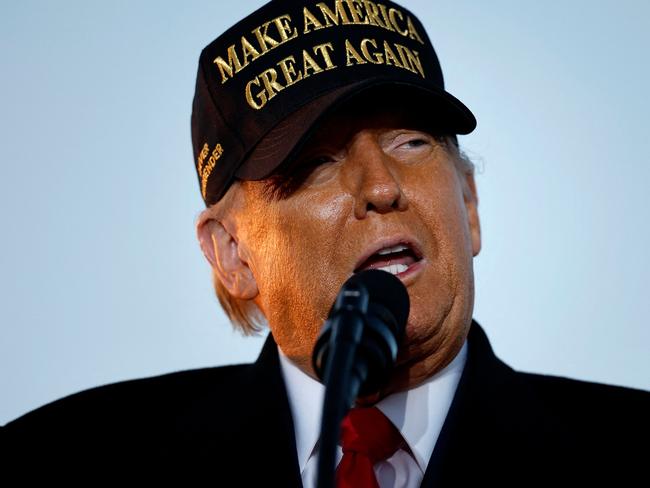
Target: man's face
372,188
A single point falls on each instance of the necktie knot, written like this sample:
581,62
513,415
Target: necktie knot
367,431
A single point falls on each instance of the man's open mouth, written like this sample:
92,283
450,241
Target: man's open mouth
395,259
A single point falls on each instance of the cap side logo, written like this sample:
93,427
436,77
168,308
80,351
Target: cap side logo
205,171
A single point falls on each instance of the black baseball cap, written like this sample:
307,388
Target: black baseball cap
263,85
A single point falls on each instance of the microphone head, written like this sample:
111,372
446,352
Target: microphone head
381,301
385,289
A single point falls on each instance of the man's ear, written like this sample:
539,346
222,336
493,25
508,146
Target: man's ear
471,203
221,249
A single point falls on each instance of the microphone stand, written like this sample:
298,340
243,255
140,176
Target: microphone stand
355,352
341,389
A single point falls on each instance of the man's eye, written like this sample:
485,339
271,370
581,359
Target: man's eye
410,140
416,142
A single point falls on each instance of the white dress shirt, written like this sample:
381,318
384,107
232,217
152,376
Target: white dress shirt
418,414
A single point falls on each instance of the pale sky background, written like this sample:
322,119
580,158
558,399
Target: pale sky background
102,277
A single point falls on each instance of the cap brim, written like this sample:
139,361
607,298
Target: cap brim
287,137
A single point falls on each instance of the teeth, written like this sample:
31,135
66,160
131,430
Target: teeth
389,250
394,268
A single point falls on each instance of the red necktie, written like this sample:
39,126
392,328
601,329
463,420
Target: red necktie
367,437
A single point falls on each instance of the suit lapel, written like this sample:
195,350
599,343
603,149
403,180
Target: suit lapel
487,435
235,426
270,422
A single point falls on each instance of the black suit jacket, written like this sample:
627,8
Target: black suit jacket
231,426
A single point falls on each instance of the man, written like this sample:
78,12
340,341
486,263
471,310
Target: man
325,144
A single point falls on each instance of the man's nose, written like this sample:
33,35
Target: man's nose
376,185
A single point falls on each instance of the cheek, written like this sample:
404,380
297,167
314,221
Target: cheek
297,262
436,198
322,238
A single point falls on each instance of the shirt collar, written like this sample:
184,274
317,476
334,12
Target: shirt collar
418,413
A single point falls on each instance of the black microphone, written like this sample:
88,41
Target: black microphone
356,351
